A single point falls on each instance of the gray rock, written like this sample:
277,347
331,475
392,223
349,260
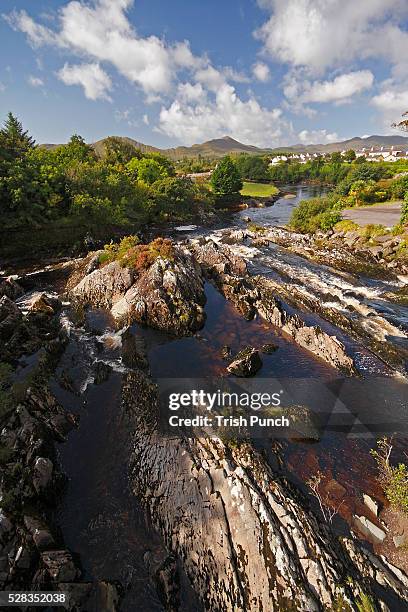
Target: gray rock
400,540
59,565
6,526
368,528
104,286
42,474
371,504
10,288
245,363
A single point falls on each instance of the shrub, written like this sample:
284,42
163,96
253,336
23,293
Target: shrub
399,187
393,479
372,230
130,254
346,226
314,214
404,210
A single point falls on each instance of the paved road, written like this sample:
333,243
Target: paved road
388,214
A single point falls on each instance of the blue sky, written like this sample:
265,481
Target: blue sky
267,72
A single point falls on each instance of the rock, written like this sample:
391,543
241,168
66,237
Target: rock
168,584
244,536
134,351
104,286
42,476
6,526
59,565
400,540
383,239
10,288
371,531
268,349
233,237
376,251
40,533
226,352
10,317
246,363
47,304
101,372
23,558
169,295
371,504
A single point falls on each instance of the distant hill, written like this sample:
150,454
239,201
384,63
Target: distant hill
355,143
218,147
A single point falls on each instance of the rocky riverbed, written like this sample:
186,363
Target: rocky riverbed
229,530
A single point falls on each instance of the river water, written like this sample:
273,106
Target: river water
100,518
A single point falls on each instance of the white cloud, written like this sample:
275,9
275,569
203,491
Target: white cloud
102,32
146,119
392,102
317,137
35,81
95,82
261,72
192,120
2,87
341,88
319,34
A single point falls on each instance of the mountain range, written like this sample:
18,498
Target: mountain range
218,147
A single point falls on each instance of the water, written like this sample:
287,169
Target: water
100,518
280,212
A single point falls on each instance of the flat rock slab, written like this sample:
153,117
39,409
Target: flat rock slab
387,215
371,531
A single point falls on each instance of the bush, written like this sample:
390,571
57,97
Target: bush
303,217
399,187
130,254
393,479
404,210
346,226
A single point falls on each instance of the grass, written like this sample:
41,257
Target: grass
258,190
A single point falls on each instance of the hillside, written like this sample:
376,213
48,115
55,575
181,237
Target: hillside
218,147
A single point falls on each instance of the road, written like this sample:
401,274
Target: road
381,214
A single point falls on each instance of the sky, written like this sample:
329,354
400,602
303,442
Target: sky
266,72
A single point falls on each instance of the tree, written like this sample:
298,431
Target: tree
252,167
75,151
119,150
225,180
336,157
350,155
14,141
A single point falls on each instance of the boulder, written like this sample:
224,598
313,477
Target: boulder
246,363
104,286
10,317
59,565
46,304
369,529
400,540
268,349
169,295
42,474
10,288
371,504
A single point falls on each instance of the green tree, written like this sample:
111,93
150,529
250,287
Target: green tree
349,155
119,150
252,167
14,140
225,180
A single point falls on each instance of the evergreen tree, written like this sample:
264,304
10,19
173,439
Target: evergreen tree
226,180
14,141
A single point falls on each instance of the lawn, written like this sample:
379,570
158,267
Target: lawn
260,190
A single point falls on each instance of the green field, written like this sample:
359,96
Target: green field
260,190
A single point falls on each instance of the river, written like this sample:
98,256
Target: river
99,517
